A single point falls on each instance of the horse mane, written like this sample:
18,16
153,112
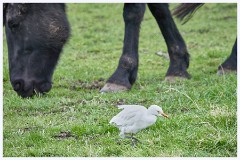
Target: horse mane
185,11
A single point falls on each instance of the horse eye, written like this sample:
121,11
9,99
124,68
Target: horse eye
13,25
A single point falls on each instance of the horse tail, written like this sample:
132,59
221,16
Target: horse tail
185,11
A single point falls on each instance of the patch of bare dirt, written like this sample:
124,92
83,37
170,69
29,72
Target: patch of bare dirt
120,102
27,129
184,110
65,135
97,84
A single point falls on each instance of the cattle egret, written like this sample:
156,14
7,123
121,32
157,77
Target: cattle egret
134,118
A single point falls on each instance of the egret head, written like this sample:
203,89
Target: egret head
157,111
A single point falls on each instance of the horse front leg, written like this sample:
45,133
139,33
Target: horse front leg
230,64
177,50
126,73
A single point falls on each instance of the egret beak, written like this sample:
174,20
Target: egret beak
164,115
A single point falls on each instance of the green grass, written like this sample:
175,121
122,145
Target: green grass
72,119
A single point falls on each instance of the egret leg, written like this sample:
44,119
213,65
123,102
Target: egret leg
134,140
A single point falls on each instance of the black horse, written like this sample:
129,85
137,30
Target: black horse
36,34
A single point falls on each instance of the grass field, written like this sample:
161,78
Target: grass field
73,118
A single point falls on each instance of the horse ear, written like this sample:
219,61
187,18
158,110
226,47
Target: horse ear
4,12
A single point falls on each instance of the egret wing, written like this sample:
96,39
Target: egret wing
129,115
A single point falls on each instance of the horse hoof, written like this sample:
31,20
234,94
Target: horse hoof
111,87
173,79
225,71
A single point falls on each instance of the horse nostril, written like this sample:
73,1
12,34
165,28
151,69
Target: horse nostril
18,85
23,88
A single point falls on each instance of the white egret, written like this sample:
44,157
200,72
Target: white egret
134,118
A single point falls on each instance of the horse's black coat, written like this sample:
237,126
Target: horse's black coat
36,34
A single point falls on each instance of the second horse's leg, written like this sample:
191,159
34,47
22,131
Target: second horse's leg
230,64
177,50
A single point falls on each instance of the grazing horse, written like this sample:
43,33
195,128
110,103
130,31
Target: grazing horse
184,12
37,32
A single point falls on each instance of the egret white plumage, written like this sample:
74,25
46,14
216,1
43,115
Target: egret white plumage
134,118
